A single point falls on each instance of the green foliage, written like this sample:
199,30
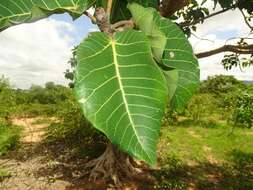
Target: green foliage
201,106
7,97
246,4
169,176
232,60
172,50
243,112
191,153
70,73
35,101
195,13
72,128
119,8
9,136
224,3
51,94
18,12
4,174
122,96
221,84
121,89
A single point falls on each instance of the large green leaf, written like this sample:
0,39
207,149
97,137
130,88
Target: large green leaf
122,91
14,12
170,48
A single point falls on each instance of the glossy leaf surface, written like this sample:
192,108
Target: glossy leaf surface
122,91
13,12
170,48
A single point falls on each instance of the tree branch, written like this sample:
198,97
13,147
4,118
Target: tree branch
246,21
169,7
121,25
247,49
185,24
109,7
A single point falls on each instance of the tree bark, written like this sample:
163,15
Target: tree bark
169,7
248,49
113,165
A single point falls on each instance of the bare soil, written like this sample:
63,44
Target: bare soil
32,133
50,166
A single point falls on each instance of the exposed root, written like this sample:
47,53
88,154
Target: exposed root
113,165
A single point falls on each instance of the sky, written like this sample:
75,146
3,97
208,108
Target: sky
38,52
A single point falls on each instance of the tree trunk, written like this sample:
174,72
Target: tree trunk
113,165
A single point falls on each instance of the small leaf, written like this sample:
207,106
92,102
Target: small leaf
13,12
170,48
122,91
120,11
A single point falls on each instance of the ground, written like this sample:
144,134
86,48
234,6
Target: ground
41,165
190,158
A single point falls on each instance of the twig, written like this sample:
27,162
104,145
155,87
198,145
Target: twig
200,38
122,24
238,38
246,21
109,7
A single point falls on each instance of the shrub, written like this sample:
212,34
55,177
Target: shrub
72,127
221,84
201,105
243,112
9,136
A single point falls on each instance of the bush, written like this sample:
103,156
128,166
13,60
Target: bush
9,136
243,112
35,109
170,175
221,84
200,106
73,128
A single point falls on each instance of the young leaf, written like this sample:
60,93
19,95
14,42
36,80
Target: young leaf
120,11
122,91
170,48
13,12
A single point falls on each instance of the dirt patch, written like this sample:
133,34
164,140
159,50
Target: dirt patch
42,165
32,133
191,186
211,159
193,134
249,133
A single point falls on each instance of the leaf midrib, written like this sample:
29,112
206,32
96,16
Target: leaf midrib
115,62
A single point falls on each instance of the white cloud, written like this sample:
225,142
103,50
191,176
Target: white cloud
229,21
217,30
211,66
35,53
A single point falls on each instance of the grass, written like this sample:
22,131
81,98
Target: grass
9,137
197,157
4,174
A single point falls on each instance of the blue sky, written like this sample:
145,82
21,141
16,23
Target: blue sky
82,26
38,52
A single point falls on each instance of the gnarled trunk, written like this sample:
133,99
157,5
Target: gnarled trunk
113,165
